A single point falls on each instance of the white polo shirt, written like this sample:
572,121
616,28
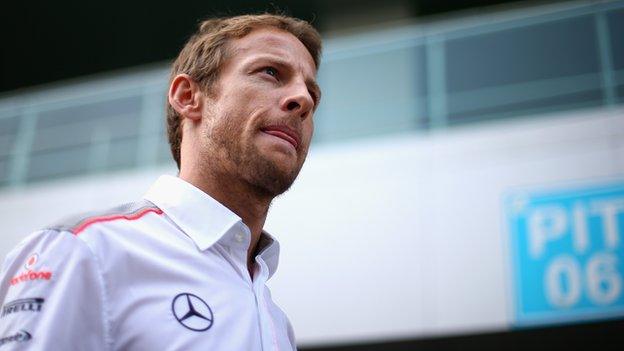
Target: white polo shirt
166,273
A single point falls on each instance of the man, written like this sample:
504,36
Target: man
184,268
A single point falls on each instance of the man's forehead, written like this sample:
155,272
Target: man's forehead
268,35
272,36
273,42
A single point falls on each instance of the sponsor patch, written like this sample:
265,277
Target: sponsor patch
192,312
31,275
20,336
31,261
32,304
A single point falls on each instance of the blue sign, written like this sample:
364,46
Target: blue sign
567,254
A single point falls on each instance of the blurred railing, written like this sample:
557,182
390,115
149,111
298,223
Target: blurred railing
404,79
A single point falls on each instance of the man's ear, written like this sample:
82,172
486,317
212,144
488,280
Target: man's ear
185,96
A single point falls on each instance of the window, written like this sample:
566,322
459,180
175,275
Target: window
8,131
523,70
85,138
371,94
615,22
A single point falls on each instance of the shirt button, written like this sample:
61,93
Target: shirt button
239,237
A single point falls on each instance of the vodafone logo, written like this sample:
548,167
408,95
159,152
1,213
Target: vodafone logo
31,260
31,274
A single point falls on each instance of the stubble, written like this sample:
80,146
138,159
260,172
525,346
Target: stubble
241,159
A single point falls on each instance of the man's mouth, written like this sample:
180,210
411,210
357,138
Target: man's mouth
283,132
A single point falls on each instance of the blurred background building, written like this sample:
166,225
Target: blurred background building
465,188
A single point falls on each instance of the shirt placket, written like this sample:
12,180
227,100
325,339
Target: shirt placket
266,326
268,333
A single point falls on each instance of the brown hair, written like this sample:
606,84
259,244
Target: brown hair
205,52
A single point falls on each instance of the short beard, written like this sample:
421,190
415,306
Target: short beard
262,175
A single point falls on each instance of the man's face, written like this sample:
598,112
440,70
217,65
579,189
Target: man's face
258,120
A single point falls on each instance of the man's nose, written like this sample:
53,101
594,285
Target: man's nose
298,101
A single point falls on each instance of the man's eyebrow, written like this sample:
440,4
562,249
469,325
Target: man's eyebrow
275,60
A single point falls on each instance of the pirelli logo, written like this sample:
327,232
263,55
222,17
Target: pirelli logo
33,304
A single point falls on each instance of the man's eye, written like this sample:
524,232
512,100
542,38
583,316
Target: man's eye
271,71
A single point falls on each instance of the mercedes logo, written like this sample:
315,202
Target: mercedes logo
192,312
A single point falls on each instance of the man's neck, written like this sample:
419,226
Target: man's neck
240,199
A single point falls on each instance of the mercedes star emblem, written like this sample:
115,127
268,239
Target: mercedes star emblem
192,312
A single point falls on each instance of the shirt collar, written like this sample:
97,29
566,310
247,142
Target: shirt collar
205,220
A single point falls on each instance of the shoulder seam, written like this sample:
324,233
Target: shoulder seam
130,212
130,217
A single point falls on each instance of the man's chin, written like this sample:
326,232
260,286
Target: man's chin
273,178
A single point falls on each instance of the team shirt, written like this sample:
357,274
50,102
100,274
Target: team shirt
168,272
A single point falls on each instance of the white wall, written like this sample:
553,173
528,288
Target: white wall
388,238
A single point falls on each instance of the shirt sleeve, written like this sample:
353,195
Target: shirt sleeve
52,295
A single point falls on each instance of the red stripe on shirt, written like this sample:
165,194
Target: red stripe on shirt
130,217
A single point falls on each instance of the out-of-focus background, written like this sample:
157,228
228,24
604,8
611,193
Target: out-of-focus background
465,189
